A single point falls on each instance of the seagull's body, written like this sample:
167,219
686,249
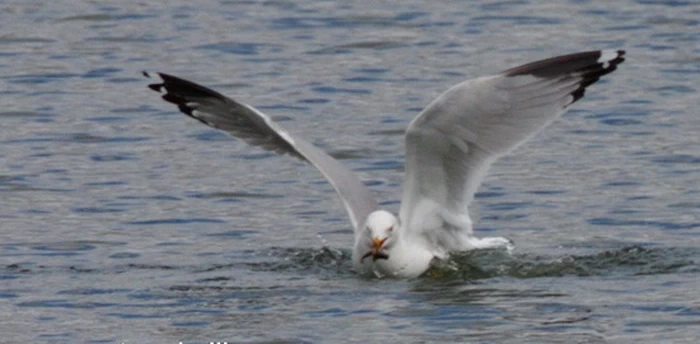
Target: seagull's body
449,148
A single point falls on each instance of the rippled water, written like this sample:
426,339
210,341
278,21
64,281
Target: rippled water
124,221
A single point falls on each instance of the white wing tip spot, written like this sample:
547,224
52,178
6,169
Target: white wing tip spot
608,55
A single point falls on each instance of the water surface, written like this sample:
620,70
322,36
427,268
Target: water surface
124,221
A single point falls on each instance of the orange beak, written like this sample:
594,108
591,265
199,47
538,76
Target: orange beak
377,245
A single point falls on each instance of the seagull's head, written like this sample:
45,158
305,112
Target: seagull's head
380,234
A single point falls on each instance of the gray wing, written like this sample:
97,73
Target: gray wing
247,123
453,142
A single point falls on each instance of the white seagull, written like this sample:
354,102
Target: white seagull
449,148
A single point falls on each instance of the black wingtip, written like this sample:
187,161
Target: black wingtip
566,64
589,66
158,87
180,89
606,63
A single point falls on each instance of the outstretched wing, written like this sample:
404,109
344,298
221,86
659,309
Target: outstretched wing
452,143
247,123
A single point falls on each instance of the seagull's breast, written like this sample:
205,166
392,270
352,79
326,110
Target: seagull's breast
405,261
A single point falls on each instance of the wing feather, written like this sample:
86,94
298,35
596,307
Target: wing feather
254,127
451,144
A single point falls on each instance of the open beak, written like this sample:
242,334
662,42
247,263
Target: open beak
375,252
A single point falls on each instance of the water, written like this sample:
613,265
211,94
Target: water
124,221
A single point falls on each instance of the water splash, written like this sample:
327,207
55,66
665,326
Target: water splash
484,264
631,260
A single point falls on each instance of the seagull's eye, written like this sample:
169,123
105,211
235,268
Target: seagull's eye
390,228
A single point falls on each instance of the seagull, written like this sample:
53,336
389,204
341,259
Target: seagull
450,146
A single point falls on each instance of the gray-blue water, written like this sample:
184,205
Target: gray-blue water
123,221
